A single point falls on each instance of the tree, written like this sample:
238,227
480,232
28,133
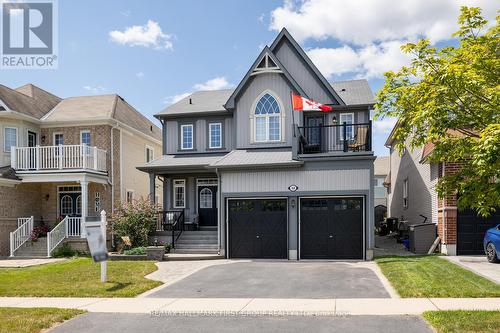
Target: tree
451,98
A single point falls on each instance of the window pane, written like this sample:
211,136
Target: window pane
267,105
260,129
85,139
10,138
215,136
274,128
187,137
206,198
58,139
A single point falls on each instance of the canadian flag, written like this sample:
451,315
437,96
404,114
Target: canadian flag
303,104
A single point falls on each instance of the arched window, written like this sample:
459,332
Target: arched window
79,205
267,119
66,205
206,198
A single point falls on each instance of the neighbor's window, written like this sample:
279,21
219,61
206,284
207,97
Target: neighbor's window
347,118
405,193
267,126
215,134
187,136
58,139
130,196
85,138
150,154
179,193
10,138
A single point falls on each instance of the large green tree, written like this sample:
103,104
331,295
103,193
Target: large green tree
451,98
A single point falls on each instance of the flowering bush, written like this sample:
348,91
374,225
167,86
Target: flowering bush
135,220
38,232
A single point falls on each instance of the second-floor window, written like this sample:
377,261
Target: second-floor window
267,122
187,136
85,138
58,139
215,135
150,154
10,138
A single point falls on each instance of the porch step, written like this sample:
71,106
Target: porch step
33,249
200,241
211,228
194,251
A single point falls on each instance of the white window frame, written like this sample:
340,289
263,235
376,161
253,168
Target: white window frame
131,196
179,183
5,148
210,135
81,136
405,193
342,127
149,148
54,138
182,137
281,118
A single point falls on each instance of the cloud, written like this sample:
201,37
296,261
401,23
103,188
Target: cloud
95,89
384,126
148,35
217,83
139,75
363,22
261,18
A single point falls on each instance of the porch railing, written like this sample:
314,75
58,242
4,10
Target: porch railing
58,158
21,234
173,221
335,138
74,226
68,227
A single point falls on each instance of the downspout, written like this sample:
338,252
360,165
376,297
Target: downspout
219,193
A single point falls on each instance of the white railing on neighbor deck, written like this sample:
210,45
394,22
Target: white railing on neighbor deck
68,227
58,158
73,226
21,234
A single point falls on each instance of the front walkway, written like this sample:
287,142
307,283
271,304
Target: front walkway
256,306
478,265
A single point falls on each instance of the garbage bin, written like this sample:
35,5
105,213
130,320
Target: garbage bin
421,237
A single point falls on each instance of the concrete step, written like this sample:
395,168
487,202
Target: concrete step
199,232
191,256
197,240
214,228
194,251
195,246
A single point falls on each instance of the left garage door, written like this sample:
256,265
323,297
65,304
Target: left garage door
257,228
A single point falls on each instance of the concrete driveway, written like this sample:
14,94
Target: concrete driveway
279,279
478,265
125,323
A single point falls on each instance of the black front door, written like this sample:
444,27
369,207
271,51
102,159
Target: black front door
314,133
331,228
258,228
70,204
207,205
471,229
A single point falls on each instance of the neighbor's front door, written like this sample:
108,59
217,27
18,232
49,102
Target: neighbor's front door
207,205
70,204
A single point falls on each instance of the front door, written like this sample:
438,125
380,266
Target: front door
70,204
32,139
207,205
313,134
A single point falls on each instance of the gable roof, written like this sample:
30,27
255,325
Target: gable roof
266,51
381,166
44,99
285,34
198,102
354,92
22,102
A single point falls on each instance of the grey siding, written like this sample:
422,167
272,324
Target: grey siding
276,84
422,178
305,78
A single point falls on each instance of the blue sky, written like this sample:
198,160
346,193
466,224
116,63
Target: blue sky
211,44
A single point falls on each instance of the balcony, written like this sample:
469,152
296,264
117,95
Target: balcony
332,139
58,158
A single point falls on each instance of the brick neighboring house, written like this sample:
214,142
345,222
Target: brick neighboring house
66,158
412,193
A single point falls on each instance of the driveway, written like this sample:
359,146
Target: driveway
478,265
125,323
279,279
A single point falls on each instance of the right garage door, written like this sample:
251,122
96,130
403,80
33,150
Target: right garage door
471,229
331,228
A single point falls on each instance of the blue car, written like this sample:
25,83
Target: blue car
492,244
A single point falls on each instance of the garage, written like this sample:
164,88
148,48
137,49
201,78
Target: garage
471,229
257,228
331,228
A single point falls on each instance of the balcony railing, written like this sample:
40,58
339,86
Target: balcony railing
335,138
58,158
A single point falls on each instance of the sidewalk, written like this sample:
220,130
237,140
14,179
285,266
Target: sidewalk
257,306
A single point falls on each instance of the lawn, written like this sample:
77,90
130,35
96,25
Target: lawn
33,320
461,321
79,277
431,276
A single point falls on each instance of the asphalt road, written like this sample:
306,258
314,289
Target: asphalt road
128,323
278,280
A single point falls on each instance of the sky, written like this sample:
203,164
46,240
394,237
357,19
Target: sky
153,52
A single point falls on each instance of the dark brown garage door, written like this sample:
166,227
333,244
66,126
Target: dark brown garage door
331,228
257,228
471,229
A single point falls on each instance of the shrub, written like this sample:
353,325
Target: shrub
136,251
135,220
64,251
39,231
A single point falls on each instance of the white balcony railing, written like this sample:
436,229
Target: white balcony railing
58,158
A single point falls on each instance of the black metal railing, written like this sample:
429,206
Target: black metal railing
173,221
335,138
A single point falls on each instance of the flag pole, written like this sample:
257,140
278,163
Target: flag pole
293,113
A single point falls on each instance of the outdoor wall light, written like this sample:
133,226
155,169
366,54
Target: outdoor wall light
292,203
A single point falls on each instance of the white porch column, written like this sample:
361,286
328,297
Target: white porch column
85,206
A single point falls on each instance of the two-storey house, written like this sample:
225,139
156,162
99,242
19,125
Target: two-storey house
62,160
259,180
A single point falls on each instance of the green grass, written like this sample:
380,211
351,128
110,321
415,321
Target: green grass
33,320
431,276
461,321
78,277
